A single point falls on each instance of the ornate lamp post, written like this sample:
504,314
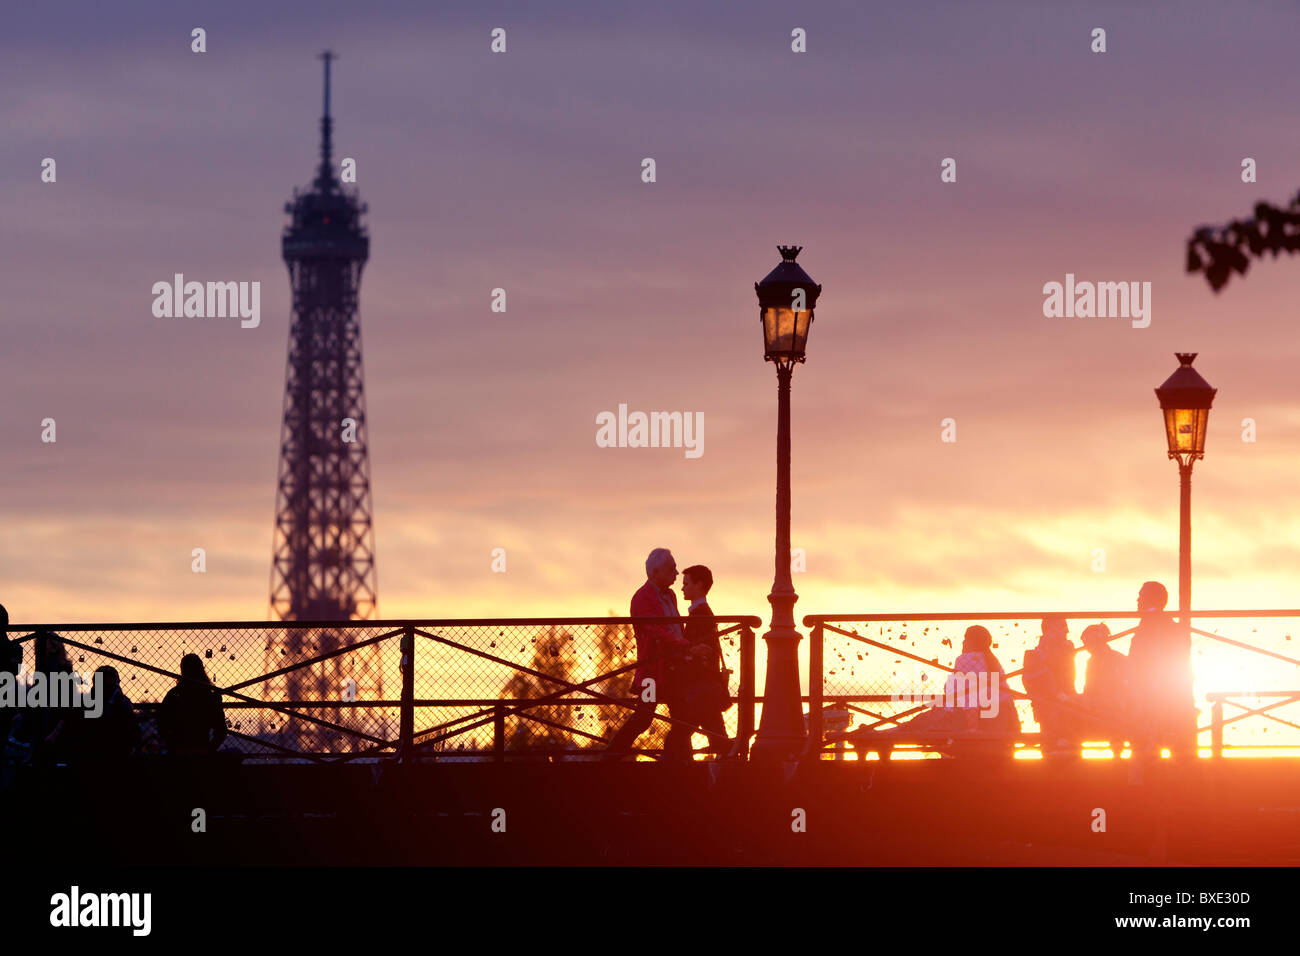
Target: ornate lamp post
786,298
1185,398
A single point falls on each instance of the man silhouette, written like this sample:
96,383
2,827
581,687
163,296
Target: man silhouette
654,642
1160,658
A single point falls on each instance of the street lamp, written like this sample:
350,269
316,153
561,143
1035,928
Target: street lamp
786,298
1185,398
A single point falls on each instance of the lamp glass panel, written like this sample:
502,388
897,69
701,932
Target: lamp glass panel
802,321
770,334
785,331
1185,429
1202,421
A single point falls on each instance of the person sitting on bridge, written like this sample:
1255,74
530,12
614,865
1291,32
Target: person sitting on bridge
115,733
976,698
1049,681
190,718
1105,696
11,664
62,722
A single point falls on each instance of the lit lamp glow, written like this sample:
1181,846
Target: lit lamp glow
1185,399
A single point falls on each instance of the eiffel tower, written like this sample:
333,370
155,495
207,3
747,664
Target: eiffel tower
323,564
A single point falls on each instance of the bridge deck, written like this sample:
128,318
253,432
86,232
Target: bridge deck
1223,812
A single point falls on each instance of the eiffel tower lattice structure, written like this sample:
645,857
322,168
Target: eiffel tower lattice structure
323,564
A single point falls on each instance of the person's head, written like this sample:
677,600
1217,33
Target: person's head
192,671
1055,628
661,568
56,655
696,581
4,617
1152,597
1096,636
978,639
112,682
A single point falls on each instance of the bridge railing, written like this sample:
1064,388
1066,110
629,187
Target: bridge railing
865,670
467,689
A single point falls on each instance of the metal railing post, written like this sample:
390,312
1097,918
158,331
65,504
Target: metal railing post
745,692
815,688
1216,729
499,732
406,727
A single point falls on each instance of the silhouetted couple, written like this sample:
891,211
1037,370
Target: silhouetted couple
678,663
1065,717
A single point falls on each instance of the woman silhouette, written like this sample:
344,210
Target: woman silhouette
190,718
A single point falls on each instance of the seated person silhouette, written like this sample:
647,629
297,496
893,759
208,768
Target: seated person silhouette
115,734
1049,681
62,724
190,718
1105,696
11,664
976,699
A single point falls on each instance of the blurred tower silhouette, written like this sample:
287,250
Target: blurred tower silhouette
323,565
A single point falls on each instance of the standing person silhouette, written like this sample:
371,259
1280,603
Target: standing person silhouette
1160,658
654,643
696,679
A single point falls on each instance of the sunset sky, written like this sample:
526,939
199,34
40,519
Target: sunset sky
522,171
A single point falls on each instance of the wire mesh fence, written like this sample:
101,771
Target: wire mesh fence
547,688
872,670
441,689
552,688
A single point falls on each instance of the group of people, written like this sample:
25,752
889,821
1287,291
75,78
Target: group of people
679,663
1144,698
190,718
